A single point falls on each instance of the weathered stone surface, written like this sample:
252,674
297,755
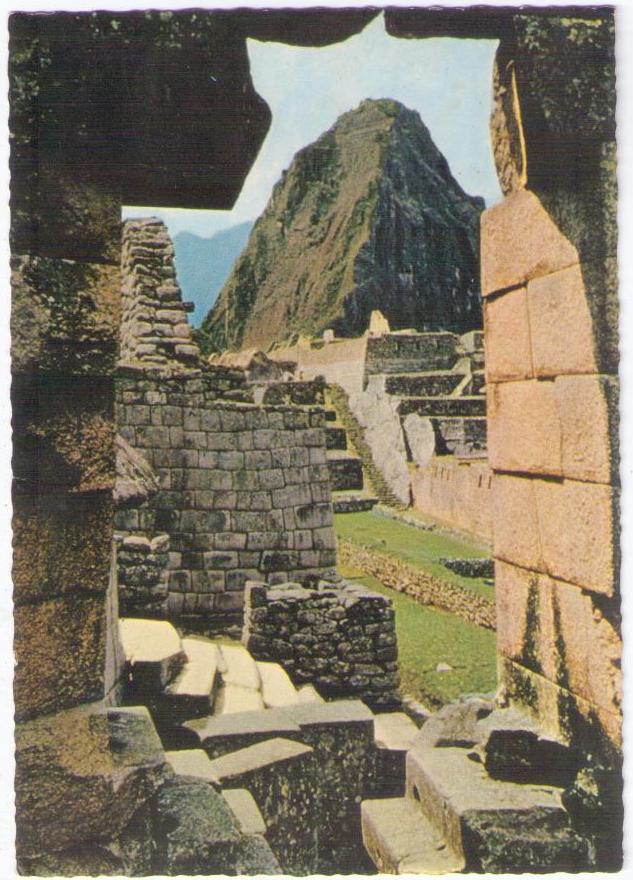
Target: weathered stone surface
153,652
401,840
192,764
508,344
519,242
64,316
494,825
562,330
589,420
60,649
81,775
524,429
378,415
135,481
577,523
332,183
420,438
62,544
516,533
245,810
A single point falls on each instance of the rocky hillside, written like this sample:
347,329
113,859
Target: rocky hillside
367,217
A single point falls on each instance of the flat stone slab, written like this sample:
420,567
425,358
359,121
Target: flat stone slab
256,757
239,668
400,840
193,764
245,810
232,698
334,712
195,684
277,689
219,734
394,731
153,650
452,788
307,693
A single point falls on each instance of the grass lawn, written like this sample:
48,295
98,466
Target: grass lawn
428,636
417,546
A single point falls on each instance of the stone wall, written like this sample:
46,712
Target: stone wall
455,492
341,639
340,362
244,490
549,280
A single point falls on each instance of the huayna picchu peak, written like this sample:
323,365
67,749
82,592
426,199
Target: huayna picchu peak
367,217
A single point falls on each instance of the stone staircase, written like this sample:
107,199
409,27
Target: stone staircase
374,487
482,794
244,742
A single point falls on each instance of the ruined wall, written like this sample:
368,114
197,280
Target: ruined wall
244,490
455,492
340,362
341,639
549,280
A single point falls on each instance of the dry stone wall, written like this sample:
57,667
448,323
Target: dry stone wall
342,639
245,490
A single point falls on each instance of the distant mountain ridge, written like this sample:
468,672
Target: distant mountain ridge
367,217
204,264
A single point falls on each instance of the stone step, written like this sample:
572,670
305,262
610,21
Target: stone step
220,734
400,840
394,734
440,383
494,826
277,689
346,471
335,437
351,502
307,693
191,693
153,652
443,406
238,667
232,698
245,810
192,764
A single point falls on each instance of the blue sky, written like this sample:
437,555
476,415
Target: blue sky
447,81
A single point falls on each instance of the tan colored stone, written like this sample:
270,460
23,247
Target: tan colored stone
516,530
81,775
60,651
520,241
507,337
588,411
577,532
561,327
524,432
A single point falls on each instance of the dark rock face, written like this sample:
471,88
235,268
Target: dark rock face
367,217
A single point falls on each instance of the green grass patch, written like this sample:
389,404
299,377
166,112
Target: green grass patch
428,636
419,547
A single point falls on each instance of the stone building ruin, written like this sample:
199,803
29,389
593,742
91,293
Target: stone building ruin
97,791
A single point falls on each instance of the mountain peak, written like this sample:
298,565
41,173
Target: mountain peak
366,217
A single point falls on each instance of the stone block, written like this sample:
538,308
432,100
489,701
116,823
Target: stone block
62,544
82,775
519,242
589,419
64,316
578,527
507,334
562,331
516,533
524,431
60,649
